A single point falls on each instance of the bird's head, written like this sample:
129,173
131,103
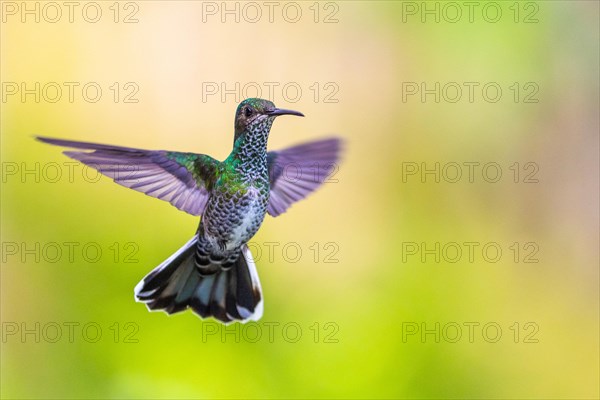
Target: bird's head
258,114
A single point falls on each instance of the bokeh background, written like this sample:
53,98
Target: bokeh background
357,312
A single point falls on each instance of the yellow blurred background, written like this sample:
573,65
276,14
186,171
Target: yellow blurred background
365,293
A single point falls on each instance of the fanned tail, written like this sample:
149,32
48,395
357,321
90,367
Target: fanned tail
232,294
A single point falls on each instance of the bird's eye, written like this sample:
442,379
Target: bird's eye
248,112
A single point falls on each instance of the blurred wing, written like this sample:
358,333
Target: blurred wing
183,179
298,171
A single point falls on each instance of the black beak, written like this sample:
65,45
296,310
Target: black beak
280,111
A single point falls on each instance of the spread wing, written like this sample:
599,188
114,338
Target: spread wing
297,171
183,179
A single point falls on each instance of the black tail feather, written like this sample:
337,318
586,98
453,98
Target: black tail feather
231,294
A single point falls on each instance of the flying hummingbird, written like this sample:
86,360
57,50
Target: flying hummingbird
214,273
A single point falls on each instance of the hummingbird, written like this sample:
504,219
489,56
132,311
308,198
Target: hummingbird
214,273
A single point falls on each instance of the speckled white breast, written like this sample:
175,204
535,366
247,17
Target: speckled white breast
251,221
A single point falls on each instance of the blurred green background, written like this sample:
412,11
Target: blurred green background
360,299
